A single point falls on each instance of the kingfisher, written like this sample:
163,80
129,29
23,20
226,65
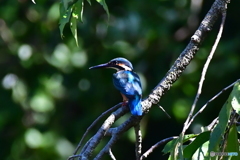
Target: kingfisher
127,82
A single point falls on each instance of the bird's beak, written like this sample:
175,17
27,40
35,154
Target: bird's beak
105,65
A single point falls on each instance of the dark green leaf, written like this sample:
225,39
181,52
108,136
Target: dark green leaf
219,130
103,3
65,16
68,3
89,1
232,142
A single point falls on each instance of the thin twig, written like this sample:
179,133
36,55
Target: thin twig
164,111
111,154
204,71
138,143
213,98
224,143
94,123
156,146
212,124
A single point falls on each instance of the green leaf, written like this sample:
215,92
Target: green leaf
89,1
177,152
68,3
235,98
201,152
171,144
65,17
220,128
232,142
238,129
76,15
197,143
78,10
103,3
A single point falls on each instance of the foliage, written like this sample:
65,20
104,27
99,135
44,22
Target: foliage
219,138
49,97
71,11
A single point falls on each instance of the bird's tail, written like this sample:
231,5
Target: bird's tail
135,107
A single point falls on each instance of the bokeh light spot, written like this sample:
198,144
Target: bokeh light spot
79,59
9,81
20,92
64,147
124,48
41,103
84,84
181,109
49,139
54,85
33,138
25,52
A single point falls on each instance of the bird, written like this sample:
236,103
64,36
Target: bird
127,82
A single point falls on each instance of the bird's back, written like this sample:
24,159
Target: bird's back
129,84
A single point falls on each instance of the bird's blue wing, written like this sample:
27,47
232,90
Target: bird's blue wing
128,83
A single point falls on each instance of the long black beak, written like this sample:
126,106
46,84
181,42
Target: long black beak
105,65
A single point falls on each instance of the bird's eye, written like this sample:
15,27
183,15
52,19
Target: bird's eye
112,63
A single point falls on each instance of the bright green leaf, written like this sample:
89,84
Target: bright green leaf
76,15
201,152
78,10
170,145
235,98
65,17
197,143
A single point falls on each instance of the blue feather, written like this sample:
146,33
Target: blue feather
128,83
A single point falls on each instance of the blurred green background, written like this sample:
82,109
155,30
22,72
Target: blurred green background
48,96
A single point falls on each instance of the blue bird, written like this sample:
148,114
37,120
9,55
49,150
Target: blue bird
127,82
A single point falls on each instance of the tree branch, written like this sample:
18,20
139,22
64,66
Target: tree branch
187,55
165,84
204,71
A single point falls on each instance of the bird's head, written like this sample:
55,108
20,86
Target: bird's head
116,63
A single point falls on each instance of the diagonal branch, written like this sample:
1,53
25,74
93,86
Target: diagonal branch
165,84
187,55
